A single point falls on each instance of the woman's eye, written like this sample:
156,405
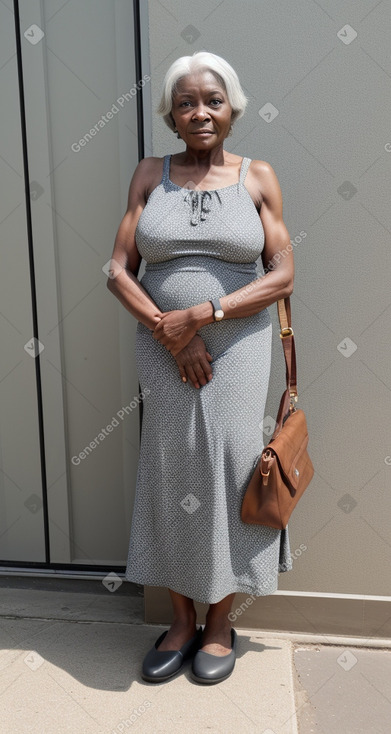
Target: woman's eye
186,102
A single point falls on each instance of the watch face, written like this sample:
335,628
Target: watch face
219,314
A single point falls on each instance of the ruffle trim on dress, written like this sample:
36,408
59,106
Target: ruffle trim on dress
200,203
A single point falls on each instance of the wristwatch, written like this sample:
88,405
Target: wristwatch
218,312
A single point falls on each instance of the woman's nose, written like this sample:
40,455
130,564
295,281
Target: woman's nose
200,113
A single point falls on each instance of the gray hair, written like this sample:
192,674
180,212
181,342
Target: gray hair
202,61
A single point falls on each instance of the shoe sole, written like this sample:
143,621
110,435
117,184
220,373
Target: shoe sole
152,679
210,680
159,680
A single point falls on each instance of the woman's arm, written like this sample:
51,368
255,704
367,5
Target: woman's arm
193,360
175,327
278,283
125,260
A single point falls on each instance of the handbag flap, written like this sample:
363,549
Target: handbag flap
290,445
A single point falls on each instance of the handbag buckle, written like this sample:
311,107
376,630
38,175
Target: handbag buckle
266,455
287,331
293,400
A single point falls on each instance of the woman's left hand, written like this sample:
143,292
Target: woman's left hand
175,330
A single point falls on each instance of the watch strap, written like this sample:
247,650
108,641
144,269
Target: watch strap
216,305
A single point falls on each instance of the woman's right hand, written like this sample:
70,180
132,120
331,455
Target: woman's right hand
193,362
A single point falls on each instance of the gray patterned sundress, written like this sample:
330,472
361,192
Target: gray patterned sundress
199,447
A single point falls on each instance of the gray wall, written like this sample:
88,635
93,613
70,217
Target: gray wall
330,146
81,64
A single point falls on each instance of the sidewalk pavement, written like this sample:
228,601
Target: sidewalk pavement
71,653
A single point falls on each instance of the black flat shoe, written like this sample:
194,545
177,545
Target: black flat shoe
208,668
159,665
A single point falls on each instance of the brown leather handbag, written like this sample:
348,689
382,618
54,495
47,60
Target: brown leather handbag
284,469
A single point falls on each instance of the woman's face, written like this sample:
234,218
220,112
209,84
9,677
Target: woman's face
201,104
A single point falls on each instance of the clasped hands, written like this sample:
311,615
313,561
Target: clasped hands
177,331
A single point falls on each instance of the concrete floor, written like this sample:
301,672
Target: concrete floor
70,658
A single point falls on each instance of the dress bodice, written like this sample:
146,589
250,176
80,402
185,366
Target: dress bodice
222,223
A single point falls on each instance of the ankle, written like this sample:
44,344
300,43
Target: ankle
217,621
185,620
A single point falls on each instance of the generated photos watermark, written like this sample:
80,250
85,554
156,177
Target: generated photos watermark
114,423
242,608
105,119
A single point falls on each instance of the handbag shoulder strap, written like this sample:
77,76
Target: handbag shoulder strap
289,397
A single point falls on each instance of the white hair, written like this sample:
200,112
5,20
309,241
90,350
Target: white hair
202,61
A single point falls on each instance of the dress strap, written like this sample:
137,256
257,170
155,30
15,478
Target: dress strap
243,169
166,168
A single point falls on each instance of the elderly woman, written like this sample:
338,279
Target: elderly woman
201,219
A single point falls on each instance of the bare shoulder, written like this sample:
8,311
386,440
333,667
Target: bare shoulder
262,179
148,174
